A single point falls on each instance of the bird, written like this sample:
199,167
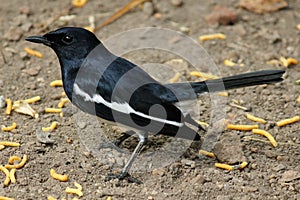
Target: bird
119,91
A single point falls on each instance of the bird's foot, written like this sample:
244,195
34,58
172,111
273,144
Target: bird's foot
123,176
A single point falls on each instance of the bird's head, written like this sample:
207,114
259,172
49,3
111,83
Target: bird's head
68,42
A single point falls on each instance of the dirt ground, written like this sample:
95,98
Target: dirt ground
272,173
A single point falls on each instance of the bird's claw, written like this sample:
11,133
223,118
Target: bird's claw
123,176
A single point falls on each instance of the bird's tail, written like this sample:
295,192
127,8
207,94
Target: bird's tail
238,81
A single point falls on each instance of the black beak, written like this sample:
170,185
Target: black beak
38,39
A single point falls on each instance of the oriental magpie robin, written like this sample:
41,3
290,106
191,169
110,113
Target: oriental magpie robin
116,90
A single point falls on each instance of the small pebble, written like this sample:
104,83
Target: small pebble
2,102
33,71
159,172
224,197
177,3
187,162
69,111
279,158
270,153
157,15
229,149
81,125
184,29
148,8
199,179
249,189
222,16
253,166
23,55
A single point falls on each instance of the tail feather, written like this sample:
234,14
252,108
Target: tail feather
191,90
243,80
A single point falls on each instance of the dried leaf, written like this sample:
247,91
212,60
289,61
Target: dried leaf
24,108
44,137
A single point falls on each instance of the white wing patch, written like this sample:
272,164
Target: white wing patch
120,107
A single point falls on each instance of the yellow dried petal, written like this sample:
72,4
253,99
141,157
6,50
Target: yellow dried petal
229,63
56,83
206,153
175,78
19,165
212,37
242,127
203,75
57,176
288,121
33,52
53,110
32,100
79,3
267,135
50,128
255,119
9,128
224,166
10,144
8,106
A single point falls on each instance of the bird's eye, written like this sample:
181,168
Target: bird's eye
67,39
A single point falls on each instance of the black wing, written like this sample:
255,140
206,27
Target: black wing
121,83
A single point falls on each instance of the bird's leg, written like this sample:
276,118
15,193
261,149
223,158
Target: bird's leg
117,142
125,172
142,140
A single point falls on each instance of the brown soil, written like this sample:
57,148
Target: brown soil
272,173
